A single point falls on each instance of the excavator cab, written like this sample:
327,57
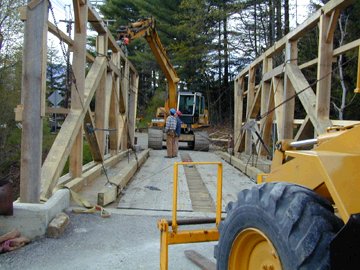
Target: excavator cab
192,106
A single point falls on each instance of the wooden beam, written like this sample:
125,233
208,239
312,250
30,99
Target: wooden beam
256,105
279,70
278,92
109,194
90,173
133,97
291,56
332,25
60,34
33,99
276,48
305,27
250,99
100,97
95,20
90,58
114,117
124,87
78,85
267,103
238,111
307,97
112,67
324,70
60,150
347,47
336,4
76,4
309,63
243,72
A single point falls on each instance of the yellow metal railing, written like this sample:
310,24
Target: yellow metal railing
188,236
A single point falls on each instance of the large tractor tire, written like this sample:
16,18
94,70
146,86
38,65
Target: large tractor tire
277,226
155,138
202,141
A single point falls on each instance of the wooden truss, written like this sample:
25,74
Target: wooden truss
268,100
111,82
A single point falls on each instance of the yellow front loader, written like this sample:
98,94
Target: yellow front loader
288,222
305,214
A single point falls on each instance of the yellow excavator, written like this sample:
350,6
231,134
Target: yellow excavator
195,116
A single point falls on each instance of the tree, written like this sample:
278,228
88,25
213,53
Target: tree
10,83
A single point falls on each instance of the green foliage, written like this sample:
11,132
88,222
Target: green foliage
87,157
156,101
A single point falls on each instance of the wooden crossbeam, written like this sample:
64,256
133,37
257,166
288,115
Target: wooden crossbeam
60,34
60,150
307,97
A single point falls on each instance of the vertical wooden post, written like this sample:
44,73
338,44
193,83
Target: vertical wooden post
114,117
323,86
291,54
265,106
100,97
125,102
134,79
33,94
238,109
78,87
250,100
278,90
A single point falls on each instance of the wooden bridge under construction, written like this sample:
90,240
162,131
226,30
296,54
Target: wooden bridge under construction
265,96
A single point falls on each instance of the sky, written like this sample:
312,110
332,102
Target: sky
63,11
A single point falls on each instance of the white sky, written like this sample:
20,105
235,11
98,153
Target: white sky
63,10
300,16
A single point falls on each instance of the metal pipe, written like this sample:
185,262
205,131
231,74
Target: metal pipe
304,143
193,221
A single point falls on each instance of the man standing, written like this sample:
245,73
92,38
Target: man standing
170,128
177,131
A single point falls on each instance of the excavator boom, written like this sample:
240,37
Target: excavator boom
146,28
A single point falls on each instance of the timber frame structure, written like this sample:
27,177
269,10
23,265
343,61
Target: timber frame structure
108,79
271,95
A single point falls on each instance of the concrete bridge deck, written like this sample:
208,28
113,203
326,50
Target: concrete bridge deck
129,239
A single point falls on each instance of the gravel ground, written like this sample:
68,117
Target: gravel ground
129,239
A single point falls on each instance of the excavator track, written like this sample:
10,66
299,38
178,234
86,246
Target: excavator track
201,141
155,138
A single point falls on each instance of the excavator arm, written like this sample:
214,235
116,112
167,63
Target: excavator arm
146,28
